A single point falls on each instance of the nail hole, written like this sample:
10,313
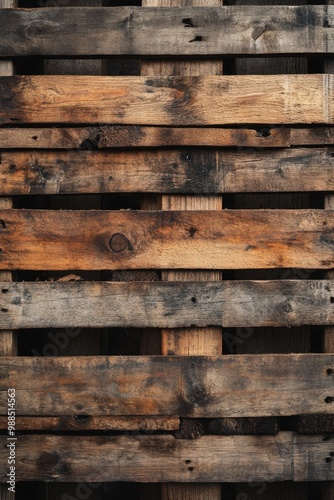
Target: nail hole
2,224
81,418
329,399
188,461
197,38
194,300
332,300
332,453
263,132
191,469
4,290
188,22
4,310
34,137
329,371
328,459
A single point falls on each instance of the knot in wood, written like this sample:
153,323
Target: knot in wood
48,460
119,242
39,28
258,30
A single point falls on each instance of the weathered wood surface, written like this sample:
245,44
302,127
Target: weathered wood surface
228,239
134,136
191,31
187,386
285,457
139,100
192,341
167,171
165,304
80,423
8,339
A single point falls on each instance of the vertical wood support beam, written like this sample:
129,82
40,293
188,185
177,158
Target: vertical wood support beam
187,341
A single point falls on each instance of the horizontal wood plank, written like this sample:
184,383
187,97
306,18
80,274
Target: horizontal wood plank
79,423
165,305
167,171
285,457
228,30
187,386
126,239
134,136
180,101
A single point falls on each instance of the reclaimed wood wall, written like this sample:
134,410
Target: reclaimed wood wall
167,248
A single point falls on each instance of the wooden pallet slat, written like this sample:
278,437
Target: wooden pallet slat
166,304
167,171
178,31
133,136
186,386
177,101
285,457
228,239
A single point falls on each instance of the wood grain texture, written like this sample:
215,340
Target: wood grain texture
167,171
328,339
189,341
166,304
181,31
80,423
133,136
228,239
187,386
196,100
287,456
8,340
83,343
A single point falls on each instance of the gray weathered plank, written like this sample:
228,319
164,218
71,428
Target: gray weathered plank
165,304
285,457
191,31
187,386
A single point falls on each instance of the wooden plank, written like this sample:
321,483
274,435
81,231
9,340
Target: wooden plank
136,31
229,239
284,457
138,100
81,423
167,171
315,136
133,136
187,386
165,304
